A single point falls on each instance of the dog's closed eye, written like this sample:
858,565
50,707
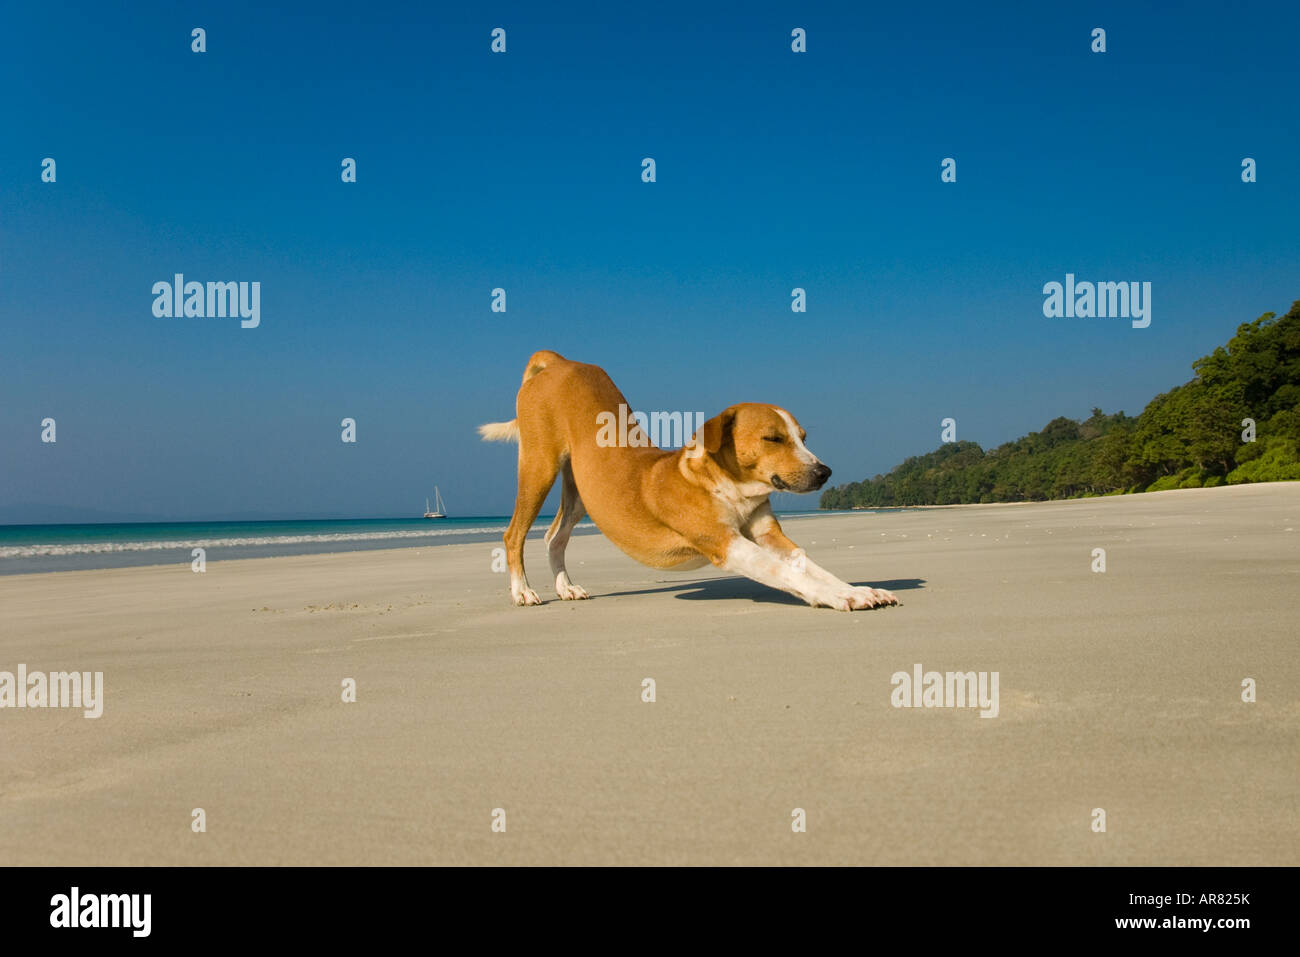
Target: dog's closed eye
773,438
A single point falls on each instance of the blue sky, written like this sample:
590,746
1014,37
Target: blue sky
775,170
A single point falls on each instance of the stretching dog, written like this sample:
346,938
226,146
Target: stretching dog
707,502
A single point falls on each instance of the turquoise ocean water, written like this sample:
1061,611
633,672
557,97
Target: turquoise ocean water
42,548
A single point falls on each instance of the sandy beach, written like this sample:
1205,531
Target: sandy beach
1119,690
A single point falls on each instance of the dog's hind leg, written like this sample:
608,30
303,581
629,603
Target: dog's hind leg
557,537
535,481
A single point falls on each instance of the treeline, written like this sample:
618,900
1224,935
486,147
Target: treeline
1192,436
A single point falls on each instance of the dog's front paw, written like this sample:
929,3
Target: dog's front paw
525,596
859,598
885,597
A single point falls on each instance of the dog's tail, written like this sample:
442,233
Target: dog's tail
500,431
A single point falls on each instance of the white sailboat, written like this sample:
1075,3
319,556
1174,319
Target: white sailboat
439,510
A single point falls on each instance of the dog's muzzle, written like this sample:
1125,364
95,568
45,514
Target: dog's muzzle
816,479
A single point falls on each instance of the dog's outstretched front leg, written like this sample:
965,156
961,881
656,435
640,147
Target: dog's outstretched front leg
767,567
859,596
766,532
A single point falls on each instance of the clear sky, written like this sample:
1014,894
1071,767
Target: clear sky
523,171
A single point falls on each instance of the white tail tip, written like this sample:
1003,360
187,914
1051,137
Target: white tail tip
500,431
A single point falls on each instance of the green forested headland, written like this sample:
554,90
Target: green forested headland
1189,437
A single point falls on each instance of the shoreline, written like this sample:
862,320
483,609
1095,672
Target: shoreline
1081,498
12,567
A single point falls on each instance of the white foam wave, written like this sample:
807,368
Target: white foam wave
94,548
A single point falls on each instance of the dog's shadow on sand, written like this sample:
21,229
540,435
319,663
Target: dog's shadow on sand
720,589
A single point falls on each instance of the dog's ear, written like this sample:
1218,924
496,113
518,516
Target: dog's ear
717,431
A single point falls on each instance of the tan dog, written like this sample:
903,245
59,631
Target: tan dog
707,502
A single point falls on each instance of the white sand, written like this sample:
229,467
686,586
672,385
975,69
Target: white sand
1119,690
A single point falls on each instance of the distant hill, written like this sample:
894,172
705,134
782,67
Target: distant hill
1187,438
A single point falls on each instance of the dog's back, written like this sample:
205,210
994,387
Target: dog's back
555,396
509,431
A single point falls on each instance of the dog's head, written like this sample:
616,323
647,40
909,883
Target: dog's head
760,444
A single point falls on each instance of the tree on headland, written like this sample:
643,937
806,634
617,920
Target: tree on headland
1188,437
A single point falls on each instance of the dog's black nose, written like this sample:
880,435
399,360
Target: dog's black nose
822,472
